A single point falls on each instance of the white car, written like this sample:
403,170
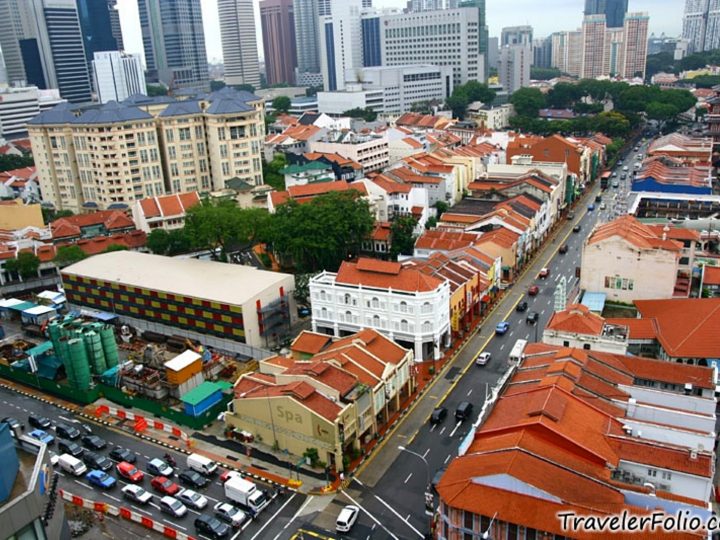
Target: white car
483,358
137,494
172,506
347,518
192,499
230,514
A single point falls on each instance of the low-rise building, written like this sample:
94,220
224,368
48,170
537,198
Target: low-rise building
293,140
688,150
710,280
305,193
490,117
368,149
343,167
667,175
411,308
14,214
307,173
391,198
579,328
82,226
20,184
166,212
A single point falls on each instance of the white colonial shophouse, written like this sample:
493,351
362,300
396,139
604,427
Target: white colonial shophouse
411,308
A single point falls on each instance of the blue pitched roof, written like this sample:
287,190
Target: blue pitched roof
62,113
228,106
142,99
181,108
112,112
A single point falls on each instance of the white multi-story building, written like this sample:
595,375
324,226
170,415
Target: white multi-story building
514,68
117,75
237,31
392,199
448,37
701,25
370,150
488,117
567,49
20,104
408,306
341,47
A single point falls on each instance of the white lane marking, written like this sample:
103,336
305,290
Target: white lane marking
272,518
455,429
408,478
421,535
408,517
469,391
296,514
511,333
557,277
154,505
83,484
447,459
369,514
193,511
542,312
174,525
358,481
211,498
502,346
442,430
426,453
138,509
432,428
111,497
60,473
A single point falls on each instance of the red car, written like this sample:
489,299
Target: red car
227,475
533,290
129,472
164,485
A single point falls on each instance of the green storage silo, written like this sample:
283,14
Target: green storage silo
62,350
80,363
94,349
109,345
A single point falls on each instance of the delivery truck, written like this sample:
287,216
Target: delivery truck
246,494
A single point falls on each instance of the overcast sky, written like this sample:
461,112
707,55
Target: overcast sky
546,16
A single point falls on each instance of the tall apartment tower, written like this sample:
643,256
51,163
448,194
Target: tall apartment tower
701,24
117,75
341,45
96,26
514,68
635,44
240,54
567,49
593,47
614,11
278,32
516,35
52,48
174,42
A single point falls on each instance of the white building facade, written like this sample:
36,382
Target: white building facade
371,150
514,68
340,42
20,104
117,75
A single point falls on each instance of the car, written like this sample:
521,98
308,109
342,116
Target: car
211,527
563,249
303,311
97,461
615,184
170,505
42,436
544,273
192,499
576,228
438,415
532,317
100,479
227,475
136,494
93,442
69,447
193,479
85,428
591,207
625,168
122,454
130,472
533,290
347,518
67,432
39,422
614,173
482,358
598,198
522,306
164,485
230,514
502,327
158,467
571,215
602,206
14,423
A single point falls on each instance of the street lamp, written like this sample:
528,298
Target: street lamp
429,503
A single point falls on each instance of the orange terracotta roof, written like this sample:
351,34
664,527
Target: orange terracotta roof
381,232
445,240
412,143
459,218
98,244
25,173
637,328
633,231
320,188
310,342
676,233
576,319
711,275
169,205
408,176
326,373
111,219
385,275
390,185
502,237
665,456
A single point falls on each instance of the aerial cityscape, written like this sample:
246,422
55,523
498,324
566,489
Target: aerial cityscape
359,269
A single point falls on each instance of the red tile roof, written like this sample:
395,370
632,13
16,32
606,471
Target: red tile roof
633,231
169,205
72,225
325,373
637,328
502,237
408,176
25,173
445,240
390,185
711,275
412,143
385,275
310,342
576,319
381,232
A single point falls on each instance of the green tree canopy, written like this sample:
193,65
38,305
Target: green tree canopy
8,162
528,101
271,172
50,214
158,241
154,90
544,74
458,103
67,255
26,265
281,104
115,247
402,236
366,114
178,242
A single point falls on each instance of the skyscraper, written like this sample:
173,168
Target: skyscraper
240,54
52,48
483,33
701,24
306,14
516,35
174,42
96,26
514,68
117,75
278,30
593,47
635,41
542,52
115,24
614,11
341,46
10,35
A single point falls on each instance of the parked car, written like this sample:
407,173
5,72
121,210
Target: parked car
576,228
347,518
544,273
97,461
172,506
533,290
122,454
571,215
42,436
532,317
563,249
482,358
192,499
502,327
94,442
136,494
100,479
39,422
164,485
591,207
230,514
130,472
69,447
438,415
602,206
14,423
227,475
67,432
158,467
211,527
193,479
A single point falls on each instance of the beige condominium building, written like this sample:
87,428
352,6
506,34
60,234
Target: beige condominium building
117,153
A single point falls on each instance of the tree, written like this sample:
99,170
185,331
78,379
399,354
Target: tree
115,247
67,255
178,242
244,87
528,101
476,91
25,265
50,214
544,74
563,95
302,288
661,111
441,207
216,85
154,90
366,114
9,162
271,172
703,81
281,104
431,223
612,124
158,241
458,103
402,236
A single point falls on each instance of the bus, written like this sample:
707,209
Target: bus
516,354
605,179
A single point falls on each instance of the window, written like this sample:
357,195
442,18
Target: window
586,346
403,307
184,134
169,136
404,326
375,302
530,534
652,473
427,327
324,313
376,321
468,520
666,475
512,531
348,299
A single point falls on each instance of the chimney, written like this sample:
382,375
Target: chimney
666,229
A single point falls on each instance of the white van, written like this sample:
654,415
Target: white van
72,465
201,464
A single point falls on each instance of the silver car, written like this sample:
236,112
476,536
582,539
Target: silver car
192,499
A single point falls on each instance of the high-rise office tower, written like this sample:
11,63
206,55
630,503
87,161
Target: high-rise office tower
96,26
278,32
635,44
493,55
593,47
341,46
115,24
701,24
306,14
174,42
240,54
516,35
11,32
542,52
483,33
52,48
614,11
514,68
117,75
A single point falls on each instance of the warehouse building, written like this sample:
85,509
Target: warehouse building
230,307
